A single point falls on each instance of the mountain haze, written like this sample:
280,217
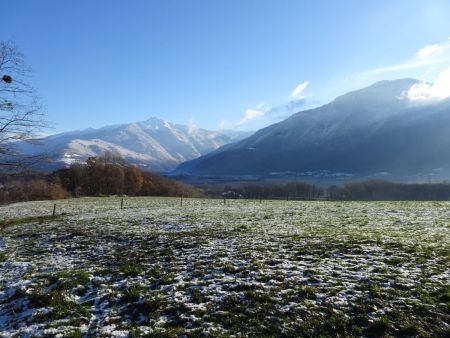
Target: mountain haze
365,132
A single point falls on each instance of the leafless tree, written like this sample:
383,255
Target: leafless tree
21,114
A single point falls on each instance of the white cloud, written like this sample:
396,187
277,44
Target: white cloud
277,112
429,55
263,107
298,91
253,114
432,50
249,115
430,92
192,126
222,125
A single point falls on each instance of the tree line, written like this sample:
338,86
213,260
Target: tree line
384,190
288,190
111,175
105,175
373,190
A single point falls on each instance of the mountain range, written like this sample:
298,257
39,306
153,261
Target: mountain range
372,132
153,144
369,132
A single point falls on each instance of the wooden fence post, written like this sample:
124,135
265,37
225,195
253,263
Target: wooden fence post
121,203
54,210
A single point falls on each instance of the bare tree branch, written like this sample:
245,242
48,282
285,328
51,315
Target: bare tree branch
21,115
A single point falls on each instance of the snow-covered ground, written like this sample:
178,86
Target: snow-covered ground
276,268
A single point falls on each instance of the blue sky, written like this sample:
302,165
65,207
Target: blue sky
228,64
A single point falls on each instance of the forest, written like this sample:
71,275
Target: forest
105,175
372,190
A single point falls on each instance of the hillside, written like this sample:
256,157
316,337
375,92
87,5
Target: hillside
372,131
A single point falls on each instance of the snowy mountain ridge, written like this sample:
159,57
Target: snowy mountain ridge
154,144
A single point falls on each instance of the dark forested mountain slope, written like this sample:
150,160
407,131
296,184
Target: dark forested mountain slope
364,132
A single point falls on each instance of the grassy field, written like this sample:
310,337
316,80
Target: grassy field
276,268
